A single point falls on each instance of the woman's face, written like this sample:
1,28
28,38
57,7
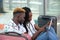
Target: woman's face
30,16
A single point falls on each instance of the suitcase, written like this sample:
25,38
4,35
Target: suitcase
14,36
42,20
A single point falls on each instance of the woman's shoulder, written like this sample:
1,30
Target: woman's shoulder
32,21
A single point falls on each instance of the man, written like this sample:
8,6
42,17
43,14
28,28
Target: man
15,24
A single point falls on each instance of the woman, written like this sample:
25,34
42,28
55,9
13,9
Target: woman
34,31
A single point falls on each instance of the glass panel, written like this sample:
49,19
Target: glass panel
53,7
54,10
17,5
36,7
36,0
6,5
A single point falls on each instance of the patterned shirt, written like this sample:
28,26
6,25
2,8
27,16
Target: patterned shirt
12,27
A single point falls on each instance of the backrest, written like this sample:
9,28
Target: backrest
43,19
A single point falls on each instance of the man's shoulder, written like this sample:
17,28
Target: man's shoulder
10,22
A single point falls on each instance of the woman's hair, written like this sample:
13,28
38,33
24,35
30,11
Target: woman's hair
27,11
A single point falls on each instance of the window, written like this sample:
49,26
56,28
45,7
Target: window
53,7
35,5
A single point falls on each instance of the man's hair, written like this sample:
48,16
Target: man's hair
18,10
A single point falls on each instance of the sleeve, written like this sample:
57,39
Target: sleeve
33,28
3,28
24,30
6,28
33,22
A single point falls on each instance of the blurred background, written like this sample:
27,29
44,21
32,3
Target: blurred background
38,7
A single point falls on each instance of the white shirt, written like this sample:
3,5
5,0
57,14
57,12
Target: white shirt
31,28
12,27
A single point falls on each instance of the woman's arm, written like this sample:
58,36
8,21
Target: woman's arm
39,30
37,33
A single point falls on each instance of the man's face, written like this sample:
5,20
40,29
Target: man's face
21,18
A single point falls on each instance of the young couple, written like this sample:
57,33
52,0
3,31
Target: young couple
23,23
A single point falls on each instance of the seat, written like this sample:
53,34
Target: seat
42,20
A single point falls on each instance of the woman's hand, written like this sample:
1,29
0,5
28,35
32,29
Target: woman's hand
46,25
42,29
